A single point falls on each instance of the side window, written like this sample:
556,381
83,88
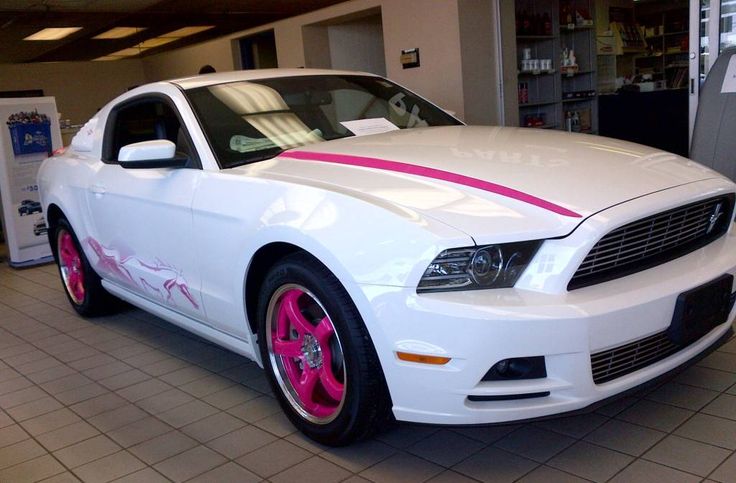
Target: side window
147,120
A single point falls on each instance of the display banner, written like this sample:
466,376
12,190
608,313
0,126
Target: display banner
29,134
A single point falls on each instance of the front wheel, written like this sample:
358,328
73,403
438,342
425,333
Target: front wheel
318,355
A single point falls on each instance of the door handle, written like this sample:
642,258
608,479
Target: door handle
98,189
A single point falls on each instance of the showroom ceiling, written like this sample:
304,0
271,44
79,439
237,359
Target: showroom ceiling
155,21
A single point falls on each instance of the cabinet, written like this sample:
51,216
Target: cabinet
556,90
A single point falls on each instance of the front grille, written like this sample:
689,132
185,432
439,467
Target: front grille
654,240
619,361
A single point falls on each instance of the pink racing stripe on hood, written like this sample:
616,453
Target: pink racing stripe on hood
433,173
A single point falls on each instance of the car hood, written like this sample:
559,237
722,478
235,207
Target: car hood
495,184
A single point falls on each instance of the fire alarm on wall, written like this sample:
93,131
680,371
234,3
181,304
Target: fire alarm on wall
410,58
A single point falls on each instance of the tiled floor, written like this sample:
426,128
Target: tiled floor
132,398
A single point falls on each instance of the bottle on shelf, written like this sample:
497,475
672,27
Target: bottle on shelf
547,24
526,23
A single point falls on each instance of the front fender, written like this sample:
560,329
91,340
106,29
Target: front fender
361,242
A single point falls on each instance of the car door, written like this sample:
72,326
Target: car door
142,218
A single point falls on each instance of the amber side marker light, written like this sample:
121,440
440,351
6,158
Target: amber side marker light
422,359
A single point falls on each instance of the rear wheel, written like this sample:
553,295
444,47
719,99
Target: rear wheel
318,355
82,285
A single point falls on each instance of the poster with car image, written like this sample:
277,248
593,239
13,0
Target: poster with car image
29,134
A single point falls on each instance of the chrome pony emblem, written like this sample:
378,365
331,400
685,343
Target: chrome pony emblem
717,213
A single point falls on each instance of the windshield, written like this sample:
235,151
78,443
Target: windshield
254,120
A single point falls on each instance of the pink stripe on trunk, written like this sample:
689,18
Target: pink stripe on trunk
433,173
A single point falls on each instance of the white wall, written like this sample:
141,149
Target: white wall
433,27
510,78
480,63
80,88
219,53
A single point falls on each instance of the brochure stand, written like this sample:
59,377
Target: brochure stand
29,134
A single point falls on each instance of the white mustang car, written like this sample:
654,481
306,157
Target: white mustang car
380,259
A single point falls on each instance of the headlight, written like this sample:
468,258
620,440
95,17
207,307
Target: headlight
488,266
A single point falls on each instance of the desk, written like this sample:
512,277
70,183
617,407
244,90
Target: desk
658,118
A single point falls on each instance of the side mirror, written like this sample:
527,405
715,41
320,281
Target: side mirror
159,153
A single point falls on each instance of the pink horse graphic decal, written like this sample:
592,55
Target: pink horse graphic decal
123,267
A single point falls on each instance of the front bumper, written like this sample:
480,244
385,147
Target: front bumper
476,329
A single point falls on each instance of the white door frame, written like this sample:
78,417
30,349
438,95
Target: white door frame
498,39
714,47
694,56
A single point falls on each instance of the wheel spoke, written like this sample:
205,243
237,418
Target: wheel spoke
66,255
323,331
287,348
333,387
73,280
76,285
282,324
291,306
67,251
66,258
305,388
79,292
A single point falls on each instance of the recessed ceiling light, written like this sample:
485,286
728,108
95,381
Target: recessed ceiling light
187,31
53,33
155,42
119,33
128,52
151,43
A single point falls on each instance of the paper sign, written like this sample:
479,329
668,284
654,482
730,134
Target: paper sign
729,80
365,127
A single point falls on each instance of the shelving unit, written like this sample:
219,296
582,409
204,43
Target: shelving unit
581,39
544,35
539,91
666,59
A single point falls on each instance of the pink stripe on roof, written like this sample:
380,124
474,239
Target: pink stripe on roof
433,173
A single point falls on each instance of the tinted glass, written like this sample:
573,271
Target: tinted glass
255,120
147,120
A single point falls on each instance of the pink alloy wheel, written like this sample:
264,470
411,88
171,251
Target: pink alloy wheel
306,355
70,263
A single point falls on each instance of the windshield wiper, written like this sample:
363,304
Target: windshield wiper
264,157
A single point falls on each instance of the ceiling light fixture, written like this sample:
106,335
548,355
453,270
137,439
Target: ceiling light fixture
119,33
129,52
154,42
53,33
187,31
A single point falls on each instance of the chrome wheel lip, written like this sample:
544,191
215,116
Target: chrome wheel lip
277,368
65,269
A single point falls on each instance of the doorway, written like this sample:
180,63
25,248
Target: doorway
258,51
650,103
353,42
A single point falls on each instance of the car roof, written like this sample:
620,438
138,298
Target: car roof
256,74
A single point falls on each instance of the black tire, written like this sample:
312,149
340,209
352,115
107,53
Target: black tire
94,300
365,405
